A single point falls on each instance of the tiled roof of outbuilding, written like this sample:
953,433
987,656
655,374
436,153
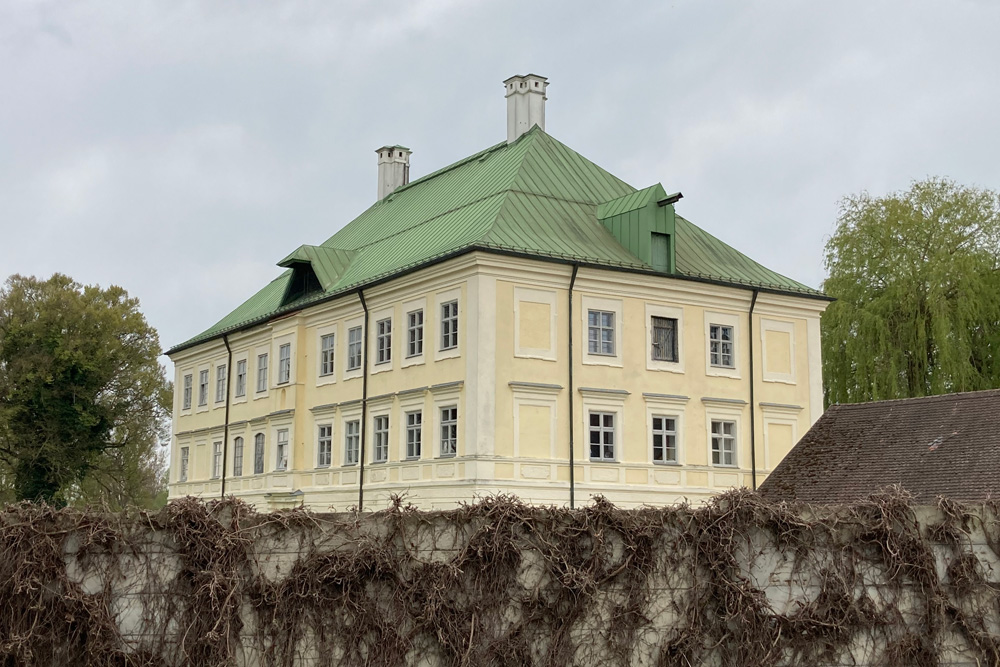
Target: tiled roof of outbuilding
533,197
945,445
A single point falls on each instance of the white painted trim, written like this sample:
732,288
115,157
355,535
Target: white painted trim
657,310
374,317
464,311
782,327
665,408
544,297
725,412
729,320
534,396
768,418
616,306
345,343
330,329
417,359
243,355
603,402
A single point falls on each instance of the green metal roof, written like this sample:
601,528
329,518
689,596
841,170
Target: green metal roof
535,197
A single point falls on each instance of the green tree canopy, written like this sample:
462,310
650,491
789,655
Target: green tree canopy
917,284
83,398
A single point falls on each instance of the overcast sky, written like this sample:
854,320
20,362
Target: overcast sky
181,149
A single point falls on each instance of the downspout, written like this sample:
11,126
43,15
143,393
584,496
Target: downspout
753,407
572,419
225,428
364,405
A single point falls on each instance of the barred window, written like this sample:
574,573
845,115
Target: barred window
664,338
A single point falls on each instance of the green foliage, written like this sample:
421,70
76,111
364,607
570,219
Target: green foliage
83,399
916,275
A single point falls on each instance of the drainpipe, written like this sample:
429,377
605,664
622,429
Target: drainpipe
753,406
364,405
572,422
225,428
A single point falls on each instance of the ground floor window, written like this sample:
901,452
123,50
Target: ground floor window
723,442
602,436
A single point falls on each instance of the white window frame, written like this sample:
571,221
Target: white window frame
415,333
545,298
238,448
616,306
284,363
383,341
240,391
782,327
441,298
665,433
602,322
380,438
221,375
282,445
603,429
674,407
203,387
721,336
450,423
327,438
261,379
730,320
669,312
410,307
217,462
188,396
184,467
350,369
413,434
721,437
327,355
352,440
449,325
259,453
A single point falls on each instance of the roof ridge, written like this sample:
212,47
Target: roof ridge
961,395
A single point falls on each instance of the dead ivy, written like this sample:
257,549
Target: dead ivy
501,583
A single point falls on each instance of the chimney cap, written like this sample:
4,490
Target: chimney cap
526,76
393,147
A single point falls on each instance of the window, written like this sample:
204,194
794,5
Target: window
188,379
284,363
664,330
720,345
220,384
415,333
183,477
326,347
216,460
449,431
383,341
241,378
380,453
602,436
414,434
352,440
449,325
281,450
723,443
354,349
258,454
203,388
601,332
261,373
324,446
238,457
664,439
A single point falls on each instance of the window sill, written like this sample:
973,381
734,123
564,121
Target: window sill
411,459
726,466
447,456
668,464
603,460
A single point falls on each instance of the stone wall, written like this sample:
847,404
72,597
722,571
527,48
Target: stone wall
737,582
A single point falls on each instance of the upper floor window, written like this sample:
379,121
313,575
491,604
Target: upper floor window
241,378
352,438
664,337
720,345
449,431
237,457
281,450
601,332
216,460
326,347
449,325
415,333
183,476
324,446
383,341
203,388
354,348
261,372
381,439
664,439
284,363
602,436
414,434
258,454
188,379
220,383
723,443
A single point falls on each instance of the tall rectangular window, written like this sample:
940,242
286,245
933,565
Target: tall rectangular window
284,363
601,332
241,378
326,347
380,451
258,454
449,325
383,341
664,338
237,457
281,450
723,443
188,379
352,440
602,436
720,345
415,333
183,476
324,446
261,373
203,388
664,439
414,434
449,431
216,460
220,383
354,348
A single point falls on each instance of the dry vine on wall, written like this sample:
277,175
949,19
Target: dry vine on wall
735,583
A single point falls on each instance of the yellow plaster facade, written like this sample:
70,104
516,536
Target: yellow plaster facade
502,396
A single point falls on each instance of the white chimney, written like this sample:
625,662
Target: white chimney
393,169
525,104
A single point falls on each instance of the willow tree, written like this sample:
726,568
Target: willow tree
915,275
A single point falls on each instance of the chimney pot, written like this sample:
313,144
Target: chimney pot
393,169
525,104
